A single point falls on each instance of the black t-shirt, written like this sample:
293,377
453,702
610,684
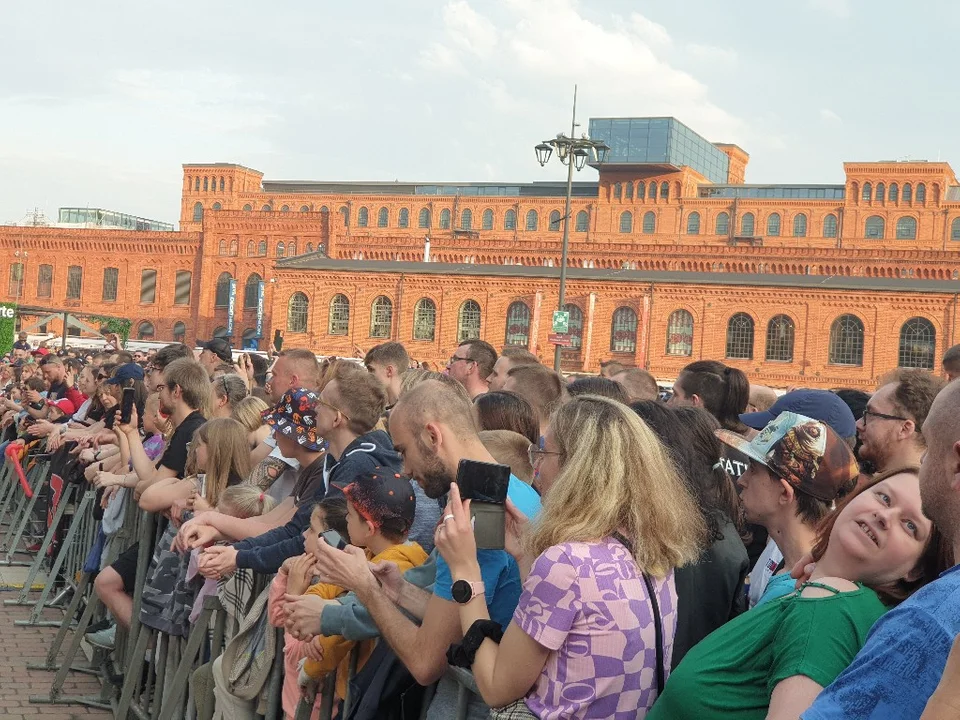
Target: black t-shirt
57,391
175,456
310,481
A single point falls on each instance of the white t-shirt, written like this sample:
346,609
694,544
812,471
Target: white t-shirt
766,567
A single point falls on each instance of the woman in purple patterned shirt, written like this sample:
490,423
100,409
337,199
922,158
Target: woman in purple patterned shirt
616,520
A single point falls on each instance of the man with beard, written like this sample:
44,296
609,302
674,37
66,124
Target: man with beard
898,668
890,428
433,429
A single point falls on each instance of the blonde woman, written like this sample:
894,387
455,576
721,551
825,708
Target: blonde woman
249,413
593,632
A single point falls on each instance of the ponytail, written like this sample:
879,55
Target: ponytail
723,390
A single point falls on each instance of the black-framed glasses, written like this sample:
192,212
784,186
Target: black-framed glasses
535,454
456,358
882,416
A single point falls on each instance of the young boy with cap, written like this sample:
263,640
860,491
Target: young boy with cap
380,510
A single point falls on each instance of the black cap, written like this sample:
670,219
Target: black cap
219,347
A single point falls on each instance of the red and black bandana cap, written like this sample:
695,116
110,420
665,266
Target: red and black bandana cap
382,494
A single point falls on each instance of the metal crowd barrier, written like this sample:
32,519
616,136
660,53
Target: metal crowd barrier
161,691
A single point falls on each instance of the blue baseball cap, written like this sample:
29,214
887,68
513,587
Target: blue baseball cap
821,405
130,371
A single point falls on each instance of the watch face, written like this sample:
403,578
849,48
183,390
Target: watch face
461,591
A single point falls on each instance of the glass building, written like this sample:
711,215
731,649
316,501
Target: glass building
660,141
97,217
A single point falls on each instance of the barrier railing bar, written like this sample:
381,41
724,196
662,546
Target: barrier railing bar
185,666
22,516
10,485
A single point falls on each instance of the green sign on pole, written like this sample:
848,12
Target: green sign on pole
8,320
561,321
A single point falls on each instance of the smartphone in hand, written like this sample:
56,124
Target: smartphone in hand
333,538
126,405
485,485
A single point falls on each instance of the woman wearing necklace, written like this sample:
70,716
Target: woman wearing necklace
872,552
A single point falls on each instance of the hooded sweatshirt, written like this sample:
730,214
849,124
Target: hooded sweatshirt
265,553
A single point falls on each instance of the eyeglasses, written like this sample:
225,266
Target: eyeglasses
332,407
884,416
535,454
455,358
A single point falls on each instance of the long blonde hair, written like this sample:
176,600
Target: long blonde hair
228,451
616,477
249,412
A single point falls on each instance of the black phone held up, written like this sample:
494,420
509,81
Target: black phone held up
126,405
333,538
485,485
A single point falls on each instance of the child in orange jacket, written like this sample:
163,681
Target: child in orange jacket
380,509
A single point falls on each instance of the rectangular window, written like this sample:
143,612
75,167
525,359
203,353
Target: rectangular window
182,296
45,281
148,286
15,288
111,278
74,282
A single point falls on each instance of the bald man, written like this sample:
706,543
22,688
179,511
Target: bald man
761,398
898,669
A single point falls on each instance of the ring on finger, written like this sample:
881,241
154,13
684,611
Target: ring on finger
448,516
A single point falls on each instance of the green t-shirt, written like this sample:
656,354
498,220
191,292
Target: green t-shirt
732,672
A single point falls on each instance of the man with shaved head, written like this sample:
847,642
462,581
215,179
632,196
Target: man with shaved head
432,428
638,384
761,398
900,665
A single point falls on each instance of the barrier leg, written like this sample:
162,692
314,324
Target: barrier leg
131,680
50,663
198,634
328,690
13,544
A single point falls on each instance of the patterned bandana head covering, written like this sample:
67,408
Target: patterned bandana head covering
295,417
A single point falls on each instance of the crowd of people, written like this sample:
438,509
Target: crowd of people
715,549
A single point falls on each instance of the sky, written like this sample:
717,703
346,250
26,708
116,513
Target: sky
102,102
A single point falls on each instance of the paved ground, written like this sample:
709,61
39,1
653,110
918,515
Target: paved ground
21,645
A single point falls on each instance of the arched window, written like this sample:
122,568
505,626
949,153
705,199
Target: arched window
918,344
292,248
680,333
297,309
518,325
693,223
623,331
179,331
780,333
363,217
773,224
220,332
800,225
664,190
423,219
575,326
339,322
921,192
197,212
222,247
583,221
15,288
894,193
445,219
649,223
906,228
403,218
248,208
309,247
234,244
45,281
221,184
874,227
955,229
486,220
250,248
740,337
510,219
281,250
197,185
382,217
554,225
907,193
381,317
617,191
262,248
723,224
747,225
533,220
846,341
626,221
145,330
653,190
468,321
628,191
830,226
881,194
304,208
206,184
345,211
266,208
641,191
466,219
217,206
222,297
867,192
424,319
251,291
284,208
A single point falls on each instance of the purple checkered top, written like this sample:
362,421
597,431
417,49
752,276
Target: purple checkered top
588,603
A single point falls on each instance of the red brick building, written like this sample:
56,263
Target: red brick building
672,258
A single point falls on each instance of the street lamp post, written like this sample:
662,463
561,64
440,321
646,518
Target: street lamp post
574,153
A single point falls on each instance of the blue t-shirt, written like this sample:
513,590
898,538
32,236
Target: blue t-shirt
498,570
900,665
779,586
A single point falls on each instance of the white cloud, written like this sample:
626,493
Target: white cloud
830,116
837,8
712,54
468,29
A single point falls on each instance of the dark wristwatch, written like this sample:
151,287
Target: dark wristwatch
464,591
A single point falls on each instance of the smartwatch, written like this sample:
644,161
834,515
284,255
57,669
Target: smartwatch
464,591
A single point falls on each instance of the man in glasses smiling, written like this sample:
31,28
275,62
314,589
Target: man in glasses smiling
889,429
